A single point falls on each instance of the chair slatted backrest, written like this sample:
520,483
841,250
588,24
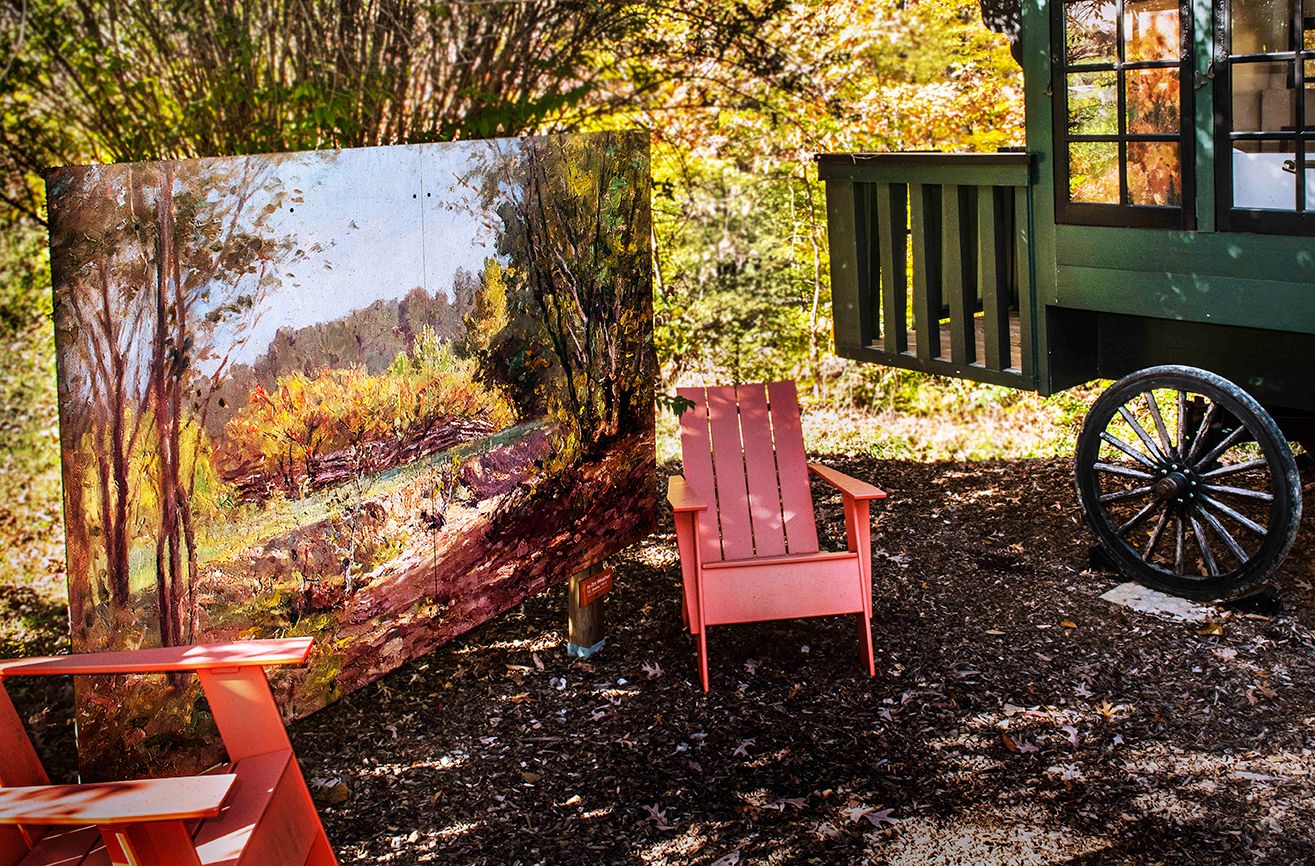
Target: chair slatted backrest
743,449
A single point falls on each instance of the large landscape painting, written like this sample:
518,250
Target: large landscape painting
375,396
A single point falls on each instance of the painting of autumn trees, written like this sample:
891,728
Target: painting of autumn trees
375,396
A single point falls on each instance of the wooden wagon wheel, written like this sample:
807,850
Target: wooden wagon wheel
1188,483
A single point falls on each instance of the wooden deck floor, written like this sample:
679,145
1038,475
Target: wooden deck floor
979,357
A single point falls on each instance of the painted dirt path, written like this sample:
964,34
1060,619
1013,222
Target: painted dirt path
381,580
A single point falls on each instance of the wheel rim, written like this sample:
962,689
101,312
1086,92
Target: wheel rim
1187,483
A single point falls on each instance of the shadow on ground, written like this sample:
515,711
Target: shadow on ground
1015,717
33,624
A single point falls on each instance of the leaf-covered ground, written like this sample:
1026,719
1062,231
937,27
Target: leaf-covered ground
1015,718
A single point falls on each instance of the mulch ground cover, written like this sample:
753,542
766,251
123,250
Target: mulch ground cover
1015,717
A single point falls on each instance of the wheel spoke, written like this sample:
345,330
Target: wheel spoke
1154,406
1200,430
1182,423
1207,556
1139,517
1116,469
1221,447
1178,544
1121,495
1259,495
1154,541
1232,468
1140,431
1129,450
1213,523
1207,502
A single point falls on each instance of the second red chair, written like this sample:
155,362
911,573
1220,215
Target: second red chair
744,518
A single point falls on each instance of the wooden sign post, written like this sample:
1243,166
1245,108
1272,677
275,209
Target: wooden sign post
584,606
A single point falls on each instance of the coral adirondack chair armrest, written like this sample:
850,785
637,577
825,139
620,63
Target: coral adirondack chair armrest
237,654
850,487
682,497
116,803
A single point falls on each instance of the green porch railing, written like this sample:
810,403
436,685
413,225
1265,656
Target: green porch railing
931,262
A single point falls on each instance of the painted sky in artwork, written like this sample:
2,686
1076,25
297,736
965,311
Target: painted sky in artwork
352,212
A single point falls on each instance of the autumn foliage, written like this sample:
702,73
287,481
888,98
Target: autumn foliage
312,431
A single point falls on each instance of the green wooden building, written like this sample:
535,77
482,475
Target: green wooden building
1159,227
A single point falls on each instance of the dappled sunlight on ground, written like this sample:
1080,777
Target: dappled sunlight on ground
1016,716
989,837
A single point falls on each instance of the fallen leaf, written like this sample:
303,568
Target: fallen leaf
329,792
1017,745
797,802
882,817
1068,623
856,813
658,816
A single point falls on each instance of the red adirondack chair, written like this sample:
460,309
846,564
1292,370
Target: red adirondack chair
744,518
255,812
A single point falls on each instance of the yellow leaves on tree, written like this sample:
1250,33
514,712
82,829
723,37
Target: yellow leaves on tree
288,431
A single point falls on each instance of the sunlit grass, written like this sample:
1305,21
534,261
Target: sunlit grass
911,416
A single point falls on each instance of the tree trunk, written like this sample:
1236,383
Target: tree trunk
167,541
114,508
103,475
78,543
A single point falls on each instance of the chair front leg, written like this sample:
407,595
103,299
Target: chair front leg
858,532
687,544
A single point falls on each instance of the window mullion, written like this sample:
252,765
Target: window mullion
1121,84
1299,79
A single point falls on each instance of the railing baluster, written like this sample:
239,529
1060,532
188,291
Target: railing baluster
866,267
1023,237
963,346
876,324
993,280
925,212
844,206
892,221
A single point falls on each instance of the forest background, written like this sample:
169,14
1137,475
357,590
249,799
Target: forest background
736,94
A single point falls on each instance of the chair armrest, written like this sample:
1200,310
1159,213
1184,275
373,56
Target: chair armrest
242,653
180,799
682,497
851,487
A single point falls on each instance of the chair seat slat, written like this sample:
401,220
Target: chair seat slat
728,463
792,468
760,467
696,454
